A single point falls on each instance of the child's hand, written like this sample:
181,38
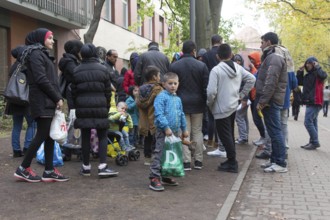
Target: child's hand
168,132
185,134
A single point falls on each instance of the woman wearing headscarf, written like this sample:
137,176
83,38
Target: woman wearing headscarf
91,92
69,61
44,98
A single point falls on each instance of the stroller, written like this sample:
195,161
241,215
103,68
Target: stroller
115,151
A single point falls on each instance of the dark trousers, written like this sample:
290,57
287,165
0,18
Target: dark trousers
211,125
42,135
295,110
257,119
149,145
225,128
85,144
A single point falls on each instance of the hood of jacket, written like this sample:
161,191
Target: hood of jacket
17,51
228,70
257,57
67,57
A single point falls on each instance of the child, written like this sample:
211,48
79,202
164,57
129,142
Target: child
145,101
169,119
132,109
118,120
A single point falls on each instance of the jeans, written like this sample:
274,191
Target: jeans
124,139
257,120
134,135
242,123
16,131
325,108
272,117
312,112
194,127
284,125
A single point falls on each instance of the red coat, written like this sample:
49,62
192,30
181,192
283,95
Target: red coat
128,80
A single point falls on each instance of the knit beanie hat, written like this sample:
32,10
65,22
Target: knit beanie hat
73,47
88,50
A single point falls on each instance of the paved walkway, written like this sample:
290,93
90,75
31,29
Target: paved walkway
302,193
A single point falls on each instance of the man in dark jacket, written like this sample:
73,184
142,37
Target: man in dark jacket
153,57
312,97
193,78
271,87
111,59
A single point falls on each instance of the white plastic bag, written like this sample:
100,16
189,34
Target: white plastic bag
58,129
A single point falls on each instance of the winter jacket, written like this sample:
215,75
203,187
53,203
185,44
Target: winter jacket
312,83
145,103
113,73
169,112
44,91
210,58
223,88
291,85
116,124
67,64
133,110
152,57
272,76
193,79
91,92
128,80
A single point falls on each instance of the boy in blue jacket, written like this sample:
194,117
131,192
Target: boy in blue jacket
169,119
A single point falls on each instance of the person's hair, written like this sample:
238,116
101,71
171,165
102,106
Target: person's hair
73,47
188,46
123,71
150,72
224,51
109,53
130,91
121,104
270,36
88,50
170,75
216,39
101,52
153,44
327,87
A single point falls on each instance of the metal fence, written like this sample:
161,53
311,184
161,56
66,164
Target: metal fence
80,11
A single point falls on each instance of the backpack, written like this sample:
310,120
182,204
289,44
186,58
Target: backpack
17,89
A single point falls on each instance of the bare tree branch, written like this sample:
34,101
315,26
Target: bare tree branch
168,5
89,35
303,12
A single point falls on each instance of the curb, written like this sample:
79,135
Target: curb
230,200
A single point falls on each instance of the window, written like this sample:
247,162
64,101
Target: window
125,13
161,29
150,35
139,28
4,58
107,10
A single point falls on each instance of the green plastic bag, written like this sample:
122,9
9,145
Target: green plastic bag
172,160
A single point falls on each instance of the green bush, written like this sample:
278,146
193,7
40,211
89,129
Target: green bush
6,121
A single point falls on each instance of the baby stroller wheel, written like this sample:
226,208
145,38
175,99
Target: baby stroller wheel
134,155
121,160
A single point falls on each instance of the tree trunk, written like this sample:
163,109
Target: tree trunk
203,24
89,35
215,7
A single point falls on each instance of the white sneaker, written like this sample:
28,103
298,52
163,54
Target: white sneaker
274,168
260,141
217,153
267,164
206,137
204,148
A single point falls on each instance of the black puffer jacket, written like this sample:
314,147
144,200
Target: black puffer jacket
91,92
193,79
44,91
67,64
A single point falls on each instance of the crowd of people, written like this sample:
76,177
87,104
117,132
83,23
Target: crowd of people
198,96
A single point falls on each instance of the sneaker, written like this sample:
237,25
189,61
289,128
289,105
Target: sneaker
260,141
266,165
303,146
228,167
217,153
241,141
107,172
156,185
274,168
204,148
85,172
263,155
147,161
169,181
311,146
53,176
27,175
186,166
129,148
198,165
206,137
